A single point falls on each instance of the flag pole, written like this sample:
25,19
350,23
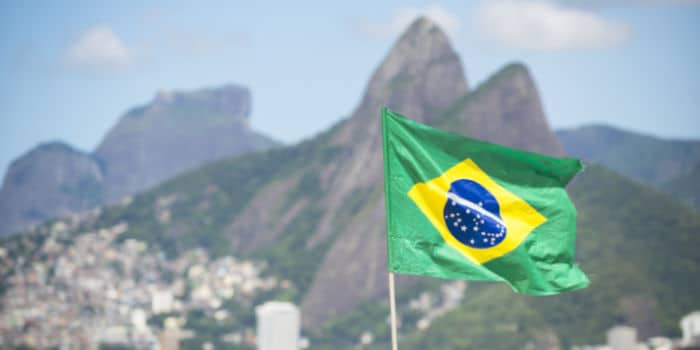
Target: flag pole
392,303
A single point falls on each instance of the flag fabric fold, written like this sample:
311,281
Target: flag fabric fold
459,208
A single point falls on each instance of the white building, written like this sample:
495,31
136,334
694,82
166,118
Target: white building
139,320
278,326
114,335
622,338
690,325
660,343
161,301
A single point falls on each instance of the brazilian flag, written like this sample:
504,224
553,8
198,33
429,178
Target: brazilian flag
459,208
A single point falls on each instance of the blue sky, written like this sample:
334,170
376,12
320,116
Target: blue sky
71,69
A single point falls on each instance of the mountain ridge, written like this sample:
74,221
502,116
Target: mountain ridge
646,158
52,178
174,132
669,165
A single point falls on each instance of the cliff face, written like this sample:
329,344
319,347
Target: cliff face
422,78
506,109
419,77
328,192
177,131
52,179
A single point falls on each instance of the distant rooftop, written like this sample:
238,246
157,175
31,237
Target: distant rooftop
276,307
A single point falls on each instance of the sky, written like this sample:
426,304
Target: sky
71,69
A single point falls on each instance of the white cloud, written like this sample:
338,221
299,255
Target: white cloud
404,16
542,25
98,48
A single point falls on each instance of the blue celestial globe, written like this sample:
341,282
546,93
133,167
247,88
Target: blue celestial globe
472,215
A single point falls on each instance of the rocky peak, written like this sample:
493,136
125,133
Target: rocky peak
54,156
421,76
52,179
422,69
229,100
177,131
506,109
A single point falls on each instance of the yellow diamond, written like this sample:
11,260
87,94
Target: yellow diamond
518,216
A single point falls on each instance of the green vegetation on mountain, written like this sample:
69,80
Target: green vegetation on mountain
204,202
647,159
207,200
672,166
491,317
686,187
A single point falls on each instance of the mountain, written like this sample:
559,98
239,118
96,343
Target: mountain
420,76
313,212
53,179
671,166
323,199
177,131
647,159
685,187
506,109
